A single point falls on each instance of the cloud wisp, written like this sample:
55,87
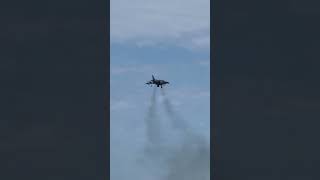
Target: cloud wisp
120,105
148,22
124,69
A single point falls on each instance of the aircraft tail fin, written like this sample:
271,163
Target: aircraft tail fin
153,77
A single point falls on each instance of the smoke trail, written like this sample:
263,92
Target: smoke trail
154,151
152,123
190,160
176,120
187,159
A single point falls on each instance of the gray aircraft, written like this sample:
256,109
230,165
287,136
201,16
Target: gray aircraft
157,82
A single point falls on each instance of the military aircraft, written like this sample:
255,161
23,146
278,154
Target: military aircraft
157,82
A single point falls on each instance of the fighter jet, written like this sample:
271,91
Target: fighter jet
157,82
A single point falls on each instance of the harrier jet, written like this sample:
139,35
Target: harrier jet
157,82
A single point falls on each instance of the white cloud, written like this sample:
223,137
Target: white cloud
123,69
202,94
116,70
191,94
201,42
149,22
120,105
204,63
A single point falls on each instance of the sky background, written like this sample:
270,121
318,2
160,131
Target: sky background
169,39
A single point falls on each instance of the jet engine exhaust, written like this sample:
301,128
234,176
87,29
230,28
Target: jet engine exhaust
188,159
176,120
152,122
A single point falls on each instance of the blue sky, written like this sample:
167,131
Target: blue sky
169,39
